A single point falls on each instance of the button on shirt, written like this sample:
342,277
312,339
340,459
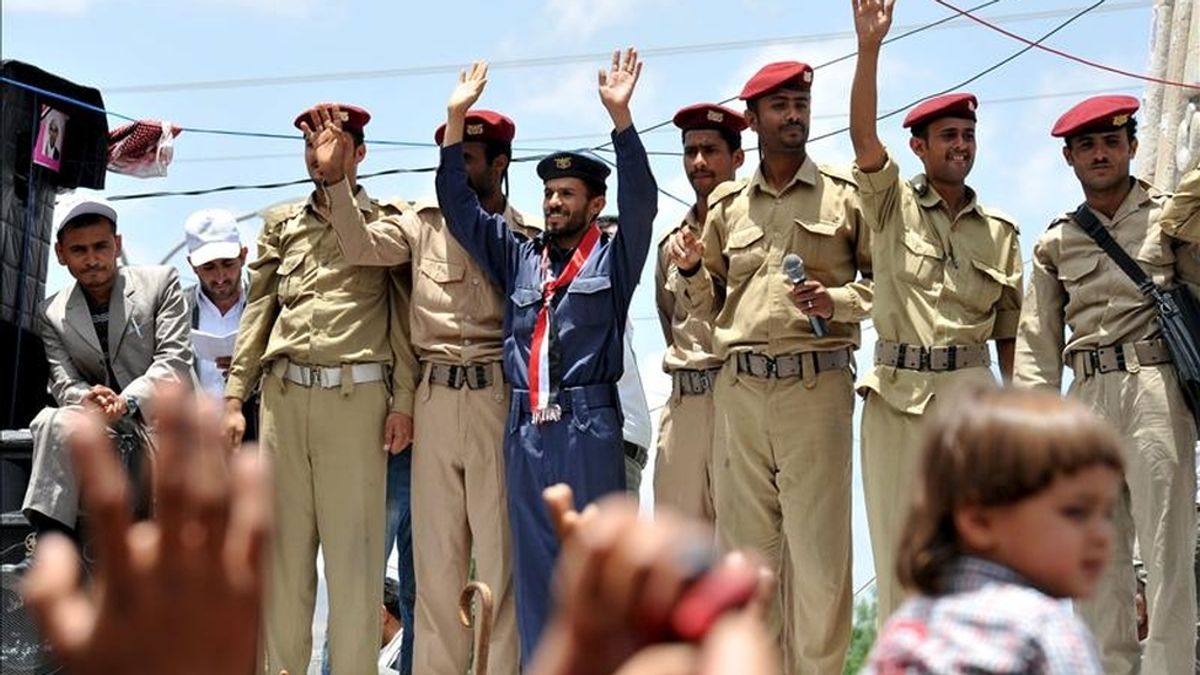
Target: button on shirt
1075,283
751,227
955,280
309,305
590,314
213,322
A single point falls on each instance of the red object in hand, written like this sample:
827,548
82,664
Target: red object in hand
718,591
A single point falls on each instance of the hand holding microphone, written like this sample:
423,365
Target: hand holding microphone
811,297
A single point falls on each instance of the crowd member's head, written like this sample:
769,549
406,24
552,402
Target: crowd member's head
389,613
1025,479
52,134
943,136
712,145
353,120
87,243
1100,140
487,149
215,253
779,106
573,193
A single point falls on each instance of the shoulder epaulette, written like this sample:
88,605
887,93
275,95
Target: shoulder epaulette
425,204
997,214
726,190
1064,217
835,172
398,203
277,215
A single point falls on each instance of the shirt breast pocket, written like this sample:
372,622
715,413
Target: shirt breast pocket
441,280
817,242
590,302
745,251
526,303
290,272
922,261
982,285
1081,279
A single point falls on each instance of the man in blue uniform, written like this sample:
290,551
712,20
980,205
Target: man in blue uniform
569,290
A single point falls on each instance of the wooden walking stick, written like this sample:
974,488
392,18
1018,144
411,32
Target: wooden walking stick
485,620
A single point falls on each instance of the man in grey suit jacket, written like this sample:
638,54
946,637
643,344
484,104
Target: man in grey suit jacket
111,337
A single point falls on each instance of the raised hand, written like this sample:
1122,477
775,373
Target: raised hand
685,250
179,595
333,147
617,85
872,20
470,87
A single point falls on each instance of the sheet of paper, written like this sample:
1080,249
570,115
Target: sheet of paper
211,347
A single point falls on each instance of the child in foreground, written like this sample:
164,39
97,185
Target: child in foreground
1012,514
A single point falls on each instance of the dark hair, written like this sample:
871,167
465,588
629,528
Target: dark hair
494,149
992,447
357,135
733,140
1130,128
85,220
391,597
594,188
921,130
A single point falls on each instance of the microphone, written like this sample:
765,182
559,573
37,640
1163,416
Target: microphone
793,267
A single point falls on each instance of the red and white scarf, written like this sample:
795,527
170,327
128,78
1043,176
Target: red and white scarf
543,356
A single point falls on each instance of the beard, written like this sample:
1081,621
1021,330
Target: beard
575,222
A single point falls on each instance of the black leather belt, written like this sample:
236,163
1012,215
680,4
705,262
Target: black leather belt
934,359
1089,362
689,382
791,365
472,375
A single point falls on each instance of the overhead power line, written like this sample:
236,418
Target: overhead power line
565,59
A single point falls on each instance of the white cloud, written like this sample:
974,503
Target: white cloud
577,21
64,7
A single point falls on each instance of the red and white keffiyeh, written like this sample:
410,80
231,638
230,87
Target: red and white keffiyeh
143,148
544,378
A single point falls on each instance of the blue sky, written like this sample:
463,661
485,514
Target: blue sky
175,60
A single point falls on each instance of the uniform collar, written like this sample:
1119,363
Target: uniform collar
929,198
361,199
807,173
1139,195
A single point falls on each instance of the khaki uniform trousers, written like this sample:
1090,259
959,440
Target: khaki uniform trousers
891,449
326,451
459,501
782,487
683,465
1158,507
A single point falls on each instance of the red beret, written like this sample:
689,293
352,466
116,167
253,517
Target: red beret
353,117
776,75
709,116
1098,113
959,105
483,125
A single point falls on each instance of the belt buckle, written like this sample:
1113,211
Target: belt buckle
480,373
311,376
1093,359
772,370
457,377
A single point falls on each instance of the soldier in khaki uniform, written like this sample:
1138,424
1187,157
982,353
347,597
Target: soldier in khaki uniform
1122,369
955,282
712,153
318,328
459,499
785,396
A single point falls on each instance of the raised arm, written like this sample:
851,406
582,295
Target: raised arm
872,19
637,192
485,236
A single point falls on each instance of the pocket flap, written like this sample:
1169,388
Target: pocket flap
290,264
524,297
991,272
589,285
441,271
820,229
1078,266
918,245
744,236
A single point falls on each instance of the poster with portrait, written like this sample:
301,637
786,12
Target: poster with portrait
47,149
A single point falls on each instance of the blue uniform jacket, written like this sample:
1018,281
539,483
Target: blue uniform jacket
590,315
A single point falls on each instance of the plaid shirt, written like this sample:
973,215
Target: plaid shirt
990,620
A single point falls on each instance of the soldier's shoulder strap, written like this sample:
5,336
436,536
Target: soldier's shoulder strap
1064,217
838,173
396,204
729,188
276,216
997,214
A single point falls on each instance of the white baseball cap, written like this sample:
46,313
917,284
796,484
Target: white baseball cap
75,205
212,234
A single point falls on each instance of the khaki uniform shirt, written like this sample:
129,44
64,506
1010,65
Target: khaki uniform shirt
308,304
953,280
687,329
457,312
1074,283
750,229
1181,215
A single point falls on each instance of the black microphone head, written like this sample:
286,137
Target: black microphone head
793,267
